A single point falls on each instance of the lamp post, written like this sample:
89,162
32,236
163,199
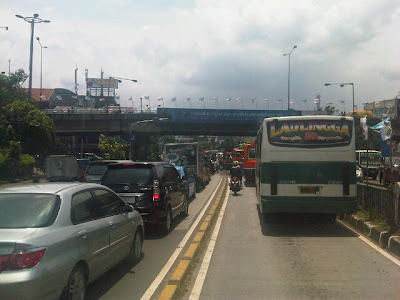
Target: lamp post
32,20
119,80
342,85
5,27
41,64
288,97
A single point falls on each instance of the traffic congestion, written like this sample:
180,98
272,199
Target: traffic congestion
187,150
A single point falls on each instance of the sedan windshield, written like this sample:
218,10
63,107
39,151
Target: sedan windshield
26,210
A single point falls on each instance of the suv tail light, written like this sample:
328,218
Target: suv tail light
21,259
156,190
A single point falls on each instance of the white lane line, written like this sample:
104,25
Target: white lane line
155,284
371,244
198,285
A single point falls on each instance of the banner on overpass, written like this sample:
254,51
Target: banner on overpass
183,114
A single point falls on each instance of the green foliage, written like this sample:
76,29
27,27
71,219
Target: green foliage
110,148
14,164
24,130
11,87
22,121
330,109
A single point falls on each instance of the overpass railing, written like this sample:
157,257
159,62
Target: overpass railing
97,111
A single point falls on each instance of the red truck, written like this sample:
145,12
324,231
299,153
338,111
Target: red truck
249,163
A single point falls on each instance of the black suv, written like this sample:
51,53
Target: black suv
155,189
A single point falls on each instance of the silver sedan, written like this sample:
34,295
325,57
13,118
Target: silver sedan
55,238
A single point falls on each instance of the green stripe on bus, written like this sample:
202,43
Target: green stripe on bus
308,172
278,204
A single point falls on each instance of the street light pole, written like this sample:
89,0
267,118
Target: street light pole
288,97
41,65
5,27
342,85
119,80
32,20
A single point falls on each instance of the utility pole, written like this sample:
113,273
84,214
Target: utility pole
76,79
9,67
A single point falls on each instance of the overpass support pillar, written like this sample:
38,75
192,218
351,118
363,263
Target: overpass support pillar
141,148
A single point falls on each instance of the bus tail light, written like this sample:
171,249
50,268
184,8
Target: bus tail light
156,190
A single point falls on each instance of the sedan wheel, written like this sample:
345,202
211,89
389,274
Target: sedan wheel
186,206
136,247
76,287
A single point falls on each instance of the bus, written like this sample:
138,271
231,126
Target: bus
249,163
306,164
370,166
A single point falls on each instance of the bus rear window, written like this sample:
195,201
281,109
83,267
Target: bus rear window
310,133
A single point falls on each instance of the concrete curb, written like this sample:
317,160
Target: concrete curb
374,232
181,272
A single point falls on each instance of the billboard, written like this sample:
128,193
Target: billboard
201,115
106,83
310,133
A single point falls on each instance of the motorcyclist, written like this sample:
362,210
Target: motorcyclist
236,171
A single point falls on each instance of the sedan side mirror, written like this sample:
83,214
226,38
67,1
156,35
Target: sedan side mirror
128,208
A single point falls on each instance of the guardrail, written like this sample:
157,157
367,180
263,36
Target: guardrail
381,200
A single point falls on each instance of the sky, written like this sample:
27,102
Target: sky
212,49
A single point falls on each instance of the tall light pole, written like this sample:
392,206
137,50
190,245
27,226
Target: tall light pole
32,20
120,80
41,64
5,27
342,85
288,89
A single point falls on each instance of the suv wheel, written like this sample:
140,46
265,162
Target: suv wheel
166,226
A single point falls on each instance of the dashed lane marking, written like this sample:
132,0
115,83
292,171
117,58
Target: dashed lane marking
156,282
198,285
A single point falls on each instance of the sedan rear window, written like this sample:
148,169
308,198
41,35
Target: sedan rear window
137,174
27,210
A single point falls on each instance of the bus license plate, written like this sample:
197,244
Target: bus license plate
309,189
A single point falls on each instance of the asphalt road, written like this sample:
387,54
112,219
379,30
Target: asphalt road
131,281
292,258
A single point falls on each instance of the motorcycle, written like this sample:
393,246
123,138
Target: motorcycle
235,185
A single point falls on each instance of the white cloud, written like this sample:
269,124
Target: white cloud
207,48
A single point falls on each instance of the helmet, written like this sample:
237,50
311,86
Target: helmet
235,163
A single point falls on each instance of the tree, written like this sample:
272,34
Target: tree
110,148
11,87
329,109
22,121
